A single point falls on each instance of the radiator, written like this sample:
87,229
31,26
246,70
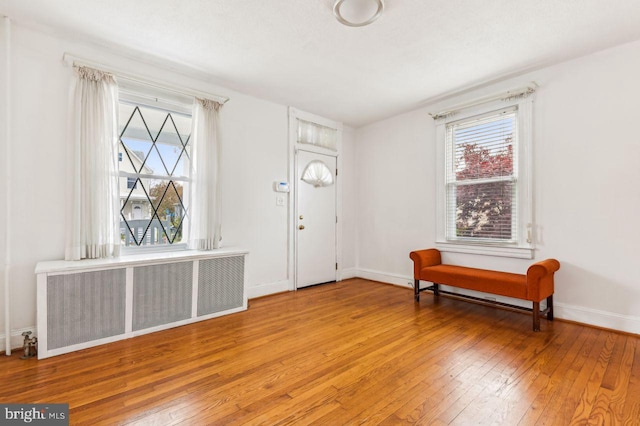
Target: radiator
91,302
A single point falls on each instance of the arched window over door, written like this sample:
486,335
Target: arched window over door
317,173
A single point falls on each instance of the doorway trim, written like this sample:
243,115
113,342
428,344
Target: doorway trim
294,146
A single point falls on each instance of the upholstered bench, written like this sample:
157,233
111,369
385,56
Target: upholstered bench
535,286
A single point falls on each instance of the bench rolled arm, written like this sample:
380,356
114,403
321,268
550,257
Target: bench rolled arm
540,279
423,258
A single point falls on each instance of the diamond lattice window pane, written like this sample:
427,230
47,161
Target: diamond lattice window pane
172,148
166,199
174,212
135,211
153,143
157,189
136,141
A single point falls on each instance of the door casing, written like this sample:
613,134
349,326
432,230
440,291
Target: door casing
294,115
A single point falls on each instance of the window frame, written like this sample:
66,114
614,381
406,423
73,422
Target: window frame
142,95
131,181
523,246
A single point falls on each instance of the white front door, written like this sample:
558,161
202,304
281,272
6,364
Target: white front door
315,219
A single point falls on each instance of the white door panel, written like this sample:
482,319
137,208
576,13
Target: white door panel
315,219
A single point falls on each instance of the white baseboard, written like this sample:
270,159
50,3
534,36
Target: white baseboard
348,273
16,338
399,280
267,289
597,318
610,320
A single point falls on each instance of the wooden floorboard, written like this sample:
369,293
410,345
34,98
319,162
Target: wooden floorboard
354,352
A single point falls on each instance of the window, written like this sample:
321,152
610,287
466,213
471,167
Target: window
316,134
480,178
484,195
154,173
147,195
318,174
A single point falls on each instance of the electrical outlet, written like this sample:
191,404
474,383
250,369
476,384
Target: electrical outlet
279,200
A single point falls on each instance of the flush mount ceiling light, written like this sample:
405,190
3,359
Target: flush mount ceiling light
357,13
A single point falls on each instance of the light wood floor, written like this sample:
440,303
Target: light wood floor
355,352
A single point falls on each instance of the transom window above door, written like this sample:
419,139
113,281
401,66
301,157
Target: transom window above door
316,134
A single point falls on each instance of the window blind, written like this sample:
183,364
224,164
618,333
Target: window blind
481,177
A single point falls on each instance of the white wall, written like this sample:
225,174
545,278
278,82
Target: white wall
255,154
395,214
254,150
586,187
348,224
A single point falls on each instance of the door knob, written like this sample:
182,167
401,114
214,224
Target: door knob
301,227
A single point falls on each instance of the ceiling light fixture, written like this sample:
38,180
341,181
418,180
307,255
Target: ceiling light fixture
357,13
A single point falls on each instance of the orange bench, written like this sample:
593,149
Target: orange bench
535,286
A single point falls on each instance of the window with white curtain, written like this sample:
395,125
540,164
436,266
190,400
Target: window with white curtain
154,171
316,134
162,189
484,179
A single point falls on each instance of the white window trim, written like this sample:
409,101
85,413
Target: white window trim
294,146
525,246
155,97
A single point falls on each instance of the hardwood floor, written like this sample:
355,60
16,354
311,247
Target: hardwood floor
355,352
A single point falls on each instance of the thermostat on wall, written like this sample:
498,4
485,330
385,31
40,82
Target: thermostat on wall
281,186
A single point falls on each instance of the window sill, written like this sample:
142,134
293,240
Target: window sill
486,250
65,266
150,249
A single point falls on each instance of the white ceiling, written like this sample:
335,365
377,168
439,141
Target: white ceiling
296,53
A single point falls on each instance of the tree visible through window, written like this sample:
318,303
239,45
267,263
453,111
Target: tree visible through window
481,187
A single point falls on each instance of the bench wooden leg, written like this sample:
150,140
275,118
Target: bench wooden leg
416,290
550,308
436,289
536,316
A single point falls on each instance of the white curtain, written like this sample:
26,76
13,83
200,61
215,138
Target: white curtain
93,231
205,232
318,135
317,174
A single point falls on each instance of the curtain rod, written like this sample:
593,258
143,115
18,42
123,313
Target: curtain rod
72,60
521,92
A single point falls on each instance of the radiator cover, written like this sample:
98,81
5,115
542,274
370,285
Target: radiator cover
219,285
85,306
88,303
162,293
